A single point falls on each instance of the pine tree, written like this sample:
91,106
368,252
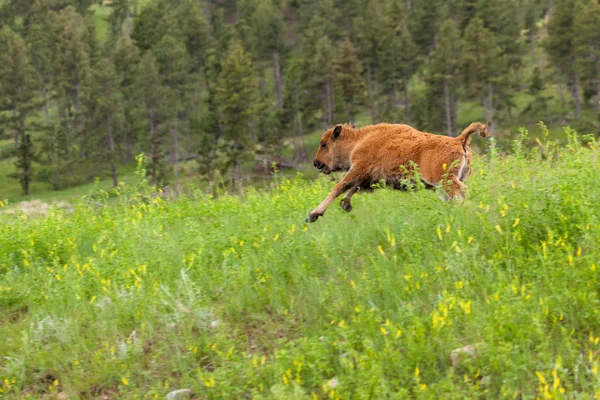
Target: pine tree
325,18
81,6
399,54
484,65
369,35
106,114
42,42
237,98
126,58
7,14
148,27
72,73
194,30
587,45
540,101
305,83
174,67
324,77
18,83
189,25
25,158
149,95
531,27
120,18
92,45
502,18
267,26
299,92
41,39
424,20
560,45
348,75
445,69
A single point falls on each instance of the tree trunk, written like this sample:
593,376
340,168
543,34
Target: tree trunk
236,173
301,153
453,110
329,91
77,106
406,98
212,110
26,182
26,171
51,133
111,147
598,89
395,99
561,94
188,138
175,157
447,106
153,146
543,68
46,106
128,24
377,99
370,93
15,129
60,116
261,80
576,95
532,41
128,139
277,77
488,108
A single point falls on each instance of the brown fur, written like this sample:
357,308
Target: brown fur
378,152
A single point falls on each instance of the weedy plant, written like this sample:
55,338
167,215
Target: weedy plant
235,297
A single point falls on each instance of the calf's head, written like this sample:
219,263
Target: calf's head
334,149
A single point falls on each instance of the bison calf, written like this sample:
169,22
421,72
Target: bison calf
386,152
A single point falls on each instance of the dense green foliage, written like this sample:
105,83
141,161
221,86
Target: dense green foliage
234,297
94,84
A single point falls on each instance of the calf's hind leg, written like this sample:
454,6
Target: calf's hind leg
345,203
453,189
348,181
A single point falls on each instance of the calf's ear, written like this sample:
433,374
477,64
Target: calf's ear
337,131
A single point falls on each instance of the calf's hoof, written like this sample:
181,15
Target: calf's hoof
312,217
346,205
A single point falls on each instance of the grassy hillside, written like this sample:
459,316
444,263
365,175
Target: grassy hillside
235,297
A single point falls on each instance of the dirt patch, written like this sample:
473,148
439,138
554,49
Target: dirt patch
37,208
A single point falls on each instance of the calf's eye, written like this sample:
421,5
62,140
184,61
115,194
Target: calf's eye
323,145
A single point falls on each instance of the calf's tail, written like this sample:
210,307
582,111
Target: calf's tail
465,137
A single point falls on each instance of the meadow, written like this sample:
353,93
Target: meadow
236,297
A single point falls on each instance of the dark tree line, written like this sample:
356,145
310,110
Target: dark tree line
225,82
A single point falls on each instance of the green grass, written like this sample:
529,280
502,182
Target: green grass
235,297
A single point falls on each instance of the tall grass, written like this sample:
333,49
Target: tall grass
235,297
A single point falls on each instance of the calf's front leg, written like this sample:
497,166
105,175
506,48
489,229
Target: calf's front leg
349,180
